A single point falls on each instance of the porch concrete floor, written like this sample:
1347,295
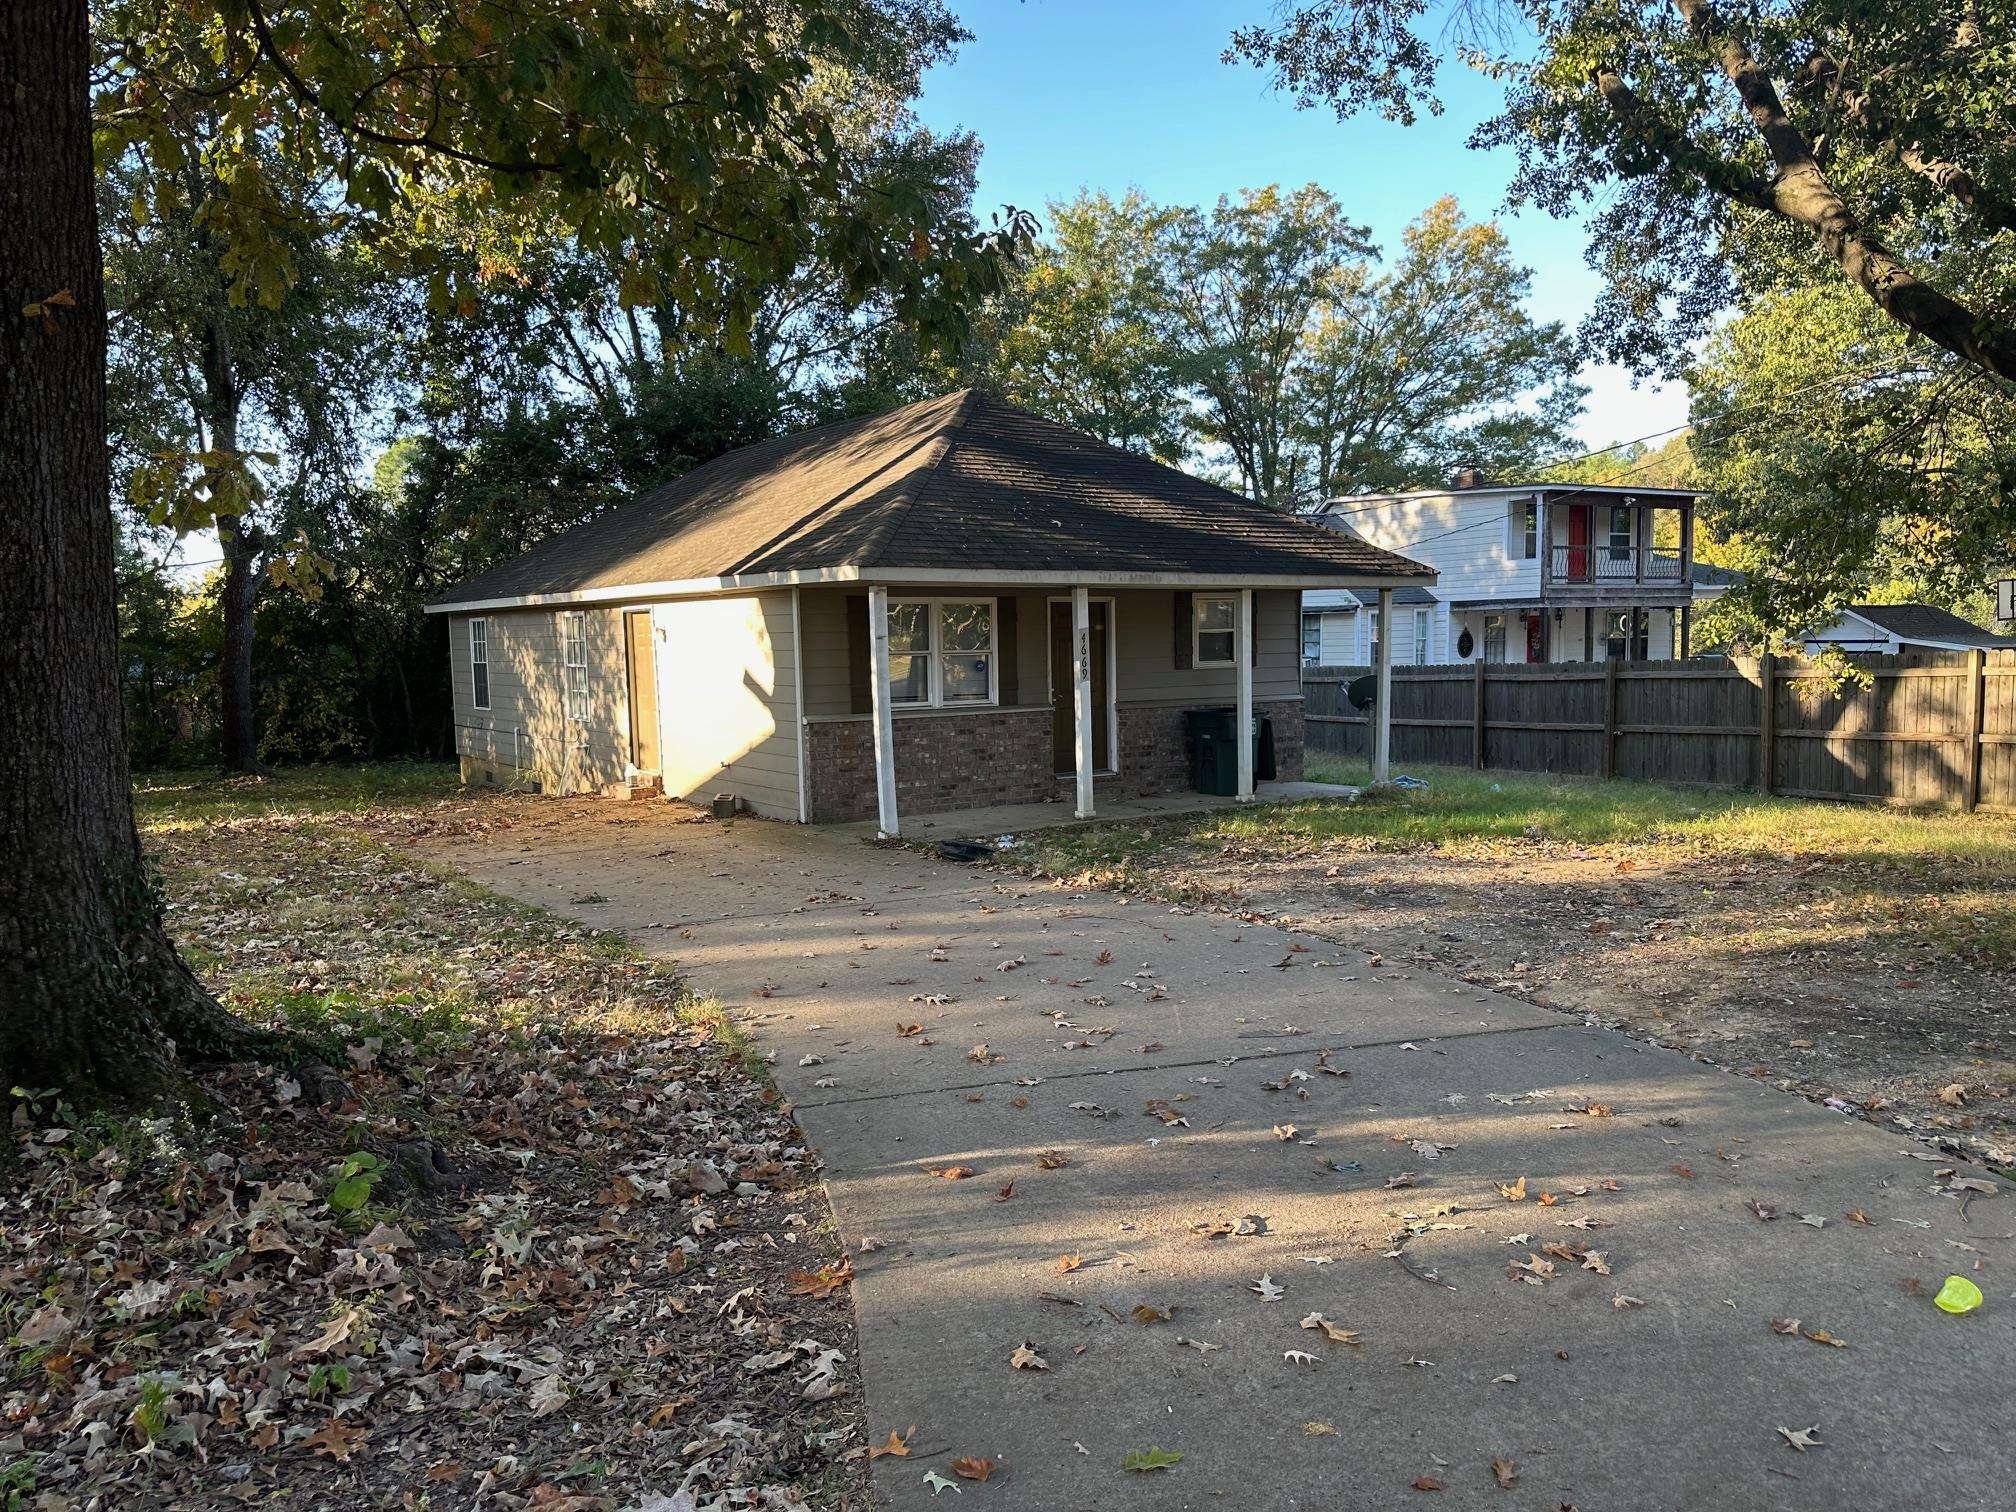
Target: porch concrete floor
1019,818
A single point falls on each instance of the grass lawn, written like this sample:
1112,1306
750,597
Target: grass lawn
1462,809
247,1298
1849,951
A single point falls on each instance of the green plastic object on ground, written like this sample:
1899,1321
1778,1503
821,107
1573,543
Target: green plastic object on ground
1958,1295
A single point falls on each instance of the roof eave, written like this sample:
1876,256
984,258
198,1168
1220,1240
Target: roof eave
896,577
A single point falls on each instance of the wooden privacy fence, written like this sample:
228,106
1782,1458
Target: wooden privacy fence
1930,727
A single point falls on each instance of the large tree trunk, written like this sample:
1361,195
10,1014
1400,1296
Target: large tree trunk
93,998
240,736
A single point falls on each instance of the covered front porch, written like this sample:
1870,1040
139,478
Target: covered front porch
1040,701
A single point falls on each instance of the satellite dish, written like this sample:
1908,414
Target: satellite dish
1363,692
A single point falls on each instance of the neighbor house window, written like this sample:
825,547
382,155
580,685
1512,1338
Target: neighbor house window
1312,639
1525,521
479,663
1494,637
941,653
1371,636
1423,630
1620,534
574,647
1215,631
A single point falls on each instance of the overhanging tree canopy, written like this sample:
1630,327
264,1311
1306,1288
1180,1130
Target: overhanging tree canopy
690,135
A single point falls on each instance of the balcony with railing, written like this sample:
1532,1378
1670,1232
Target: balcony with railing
1602,563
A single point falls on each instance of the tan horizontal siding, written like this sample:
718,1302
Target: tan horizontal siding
729,699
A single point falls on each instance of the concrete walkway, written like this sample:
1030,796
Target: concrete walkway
1372,1198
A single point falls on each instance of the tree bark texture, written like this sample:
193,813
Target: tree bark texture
94,1000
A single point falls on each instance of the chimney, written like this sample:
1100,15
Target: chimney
1469,475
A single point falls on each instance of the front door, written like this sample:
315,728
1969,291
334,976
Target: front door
1063,690
643,668
1578,543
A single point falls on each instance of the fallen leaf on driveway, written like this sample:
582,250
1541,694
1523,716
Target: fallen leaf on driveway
1428,1483
1516,1192
949,1173
967,1467
1069,1263
1763,1211
1785,1325
1148,1312
1266,1290
1026,1358
1144,1460
898,1445
1005,1193
1813,1220
1953,1095
1051,1160
1316,1428
938,1483
1298,1357
1331,1330
1802,1438
1198,1344
1507,1472
907,1030
1821,1336
1620,1301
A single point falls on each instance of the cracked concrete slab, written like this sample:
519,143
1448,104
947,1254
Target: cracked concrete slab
819,943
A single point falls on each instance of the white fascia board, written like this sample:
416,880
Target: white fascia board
897,576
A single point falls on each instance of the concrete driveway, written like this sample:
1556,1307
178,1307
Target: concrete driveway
1184,1113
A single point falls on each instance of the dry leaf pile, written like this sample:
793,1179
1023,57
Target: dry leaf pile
614,1288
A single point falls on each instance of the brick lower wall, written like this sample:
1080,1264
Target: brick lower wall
944,762
973,760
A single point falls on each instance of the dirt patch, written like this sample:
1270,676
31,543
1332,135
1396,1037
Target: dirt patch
1888,990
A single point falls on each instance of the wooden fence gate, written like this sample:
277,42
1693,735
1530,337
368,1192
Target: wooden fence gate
1930,728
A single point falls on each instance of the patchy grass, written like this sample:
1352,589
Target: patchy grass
1467,812
1853,952
597,1302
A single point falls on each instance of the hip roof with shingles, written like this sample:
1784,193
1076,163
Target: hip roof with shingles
964,484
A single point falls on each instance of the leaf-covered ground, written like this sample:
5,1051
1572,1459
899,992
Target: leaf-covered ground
624,1293
1859,955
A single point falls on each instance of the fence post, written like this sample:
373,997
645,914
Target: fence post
1477,719
1970,772
1610,718
1767,722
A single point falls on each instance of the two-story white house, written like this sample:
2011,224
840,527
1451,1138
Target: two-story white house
1533,572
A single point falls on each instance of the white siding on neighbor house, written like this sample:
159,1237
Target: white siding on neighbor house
728,700
1345,636
1852,630
1468,539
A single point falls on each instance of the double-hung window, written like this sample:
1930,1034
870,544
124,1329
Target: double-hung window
1214,632
942,653
1525,528
1312,639
479,663
1423,631
574,647
1622,521
1494,637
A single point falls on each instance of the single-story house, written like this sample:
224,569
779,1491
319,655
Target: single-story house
1885,629
952,604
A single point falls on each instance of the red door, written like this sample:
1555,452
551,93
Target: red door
1536,636
1578,543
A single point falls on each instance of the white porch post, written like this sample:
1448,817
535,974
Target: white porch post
1081,676
1382,719
1242,653
878,702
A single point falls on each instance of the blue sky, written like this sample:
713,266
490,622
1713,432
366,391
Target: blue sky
1111,93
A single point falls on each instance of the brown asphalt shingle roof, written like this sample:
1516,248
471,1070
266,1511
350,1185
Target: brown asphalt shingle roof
965,483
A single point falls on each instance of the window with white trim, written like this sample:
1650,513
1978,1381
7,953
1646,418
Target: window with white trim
1494,637
1423,631
574,649
479,663
1524,535
1312,639
1622,521
1214,631
942,653
1371,636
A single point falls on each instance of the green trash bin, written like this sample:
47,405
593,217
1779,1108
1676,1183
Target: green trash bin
1214,747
